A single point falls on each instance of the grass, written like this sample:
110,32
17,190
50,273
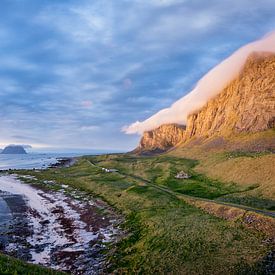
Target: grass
11,266
162,170
256,202
239,154
246,159
253,173
165,235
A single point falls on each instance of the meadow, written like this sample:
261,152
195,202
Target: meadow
11,266
164,234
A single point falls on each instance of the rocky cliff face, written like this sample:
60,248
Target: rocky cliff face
247,104
161,139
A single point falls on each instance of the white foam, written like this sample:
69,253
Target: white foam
52,233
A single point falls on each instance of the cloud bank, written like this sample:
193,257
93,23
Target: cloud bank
74,72
207,87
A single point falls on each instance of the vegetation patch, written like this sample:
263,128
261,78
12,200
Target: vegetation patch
11,266
247,154
256,202
164,234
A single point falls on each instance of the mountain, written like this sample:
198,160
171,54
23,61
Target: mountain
14,149
245,105
161,139
209,86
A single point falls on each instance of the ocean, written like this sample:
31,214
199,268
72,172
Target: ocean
62,228
31,160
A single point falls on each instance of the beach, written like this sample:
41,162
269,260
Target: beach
63,229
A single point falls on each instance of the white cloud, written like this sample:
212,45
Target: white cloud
162,3
87,23
209,86
120,60
173,26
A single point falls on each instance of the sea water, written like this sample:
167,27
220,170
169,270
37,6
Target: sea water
32,160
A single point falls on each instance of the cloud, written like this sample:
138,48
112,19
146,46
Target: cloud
86,23
163,3
127,83
87,104
17,63
69,66
90,128
208,87
25,146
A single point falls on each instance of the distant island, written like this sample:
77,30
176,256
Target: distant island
14,149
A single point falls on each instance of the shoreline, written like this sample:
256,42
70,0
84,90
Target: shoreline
79,226
153,215
63,162
35,162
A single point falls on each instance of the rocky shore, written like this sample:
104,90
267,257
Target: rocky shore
63,162
66,229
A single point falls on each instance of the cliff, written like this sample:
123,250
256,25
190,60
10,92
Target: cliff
246,105
14,149
161,139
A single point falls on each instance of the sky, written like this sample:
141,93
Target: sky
207,88
74,73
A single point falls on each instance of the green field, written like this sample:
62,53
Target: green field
10,266
165,235
161,170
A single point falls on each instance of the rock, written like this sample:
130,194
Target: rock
246,105
14,149
161,139
182,175
44,222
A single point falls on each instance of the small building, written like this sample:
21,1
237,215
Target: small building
182,175
109,170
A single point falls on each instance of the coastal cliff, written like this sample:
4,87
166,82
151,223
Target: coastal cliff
161,139
246,105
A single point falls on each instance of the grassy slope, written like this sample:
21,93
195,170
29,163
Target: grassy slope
167,235
242,167
10,266
161,170
245,170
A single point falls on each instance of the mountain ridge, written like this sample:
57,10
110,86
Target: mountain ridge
245,105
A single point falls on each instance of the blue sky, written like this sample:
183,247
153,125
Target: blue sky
73,73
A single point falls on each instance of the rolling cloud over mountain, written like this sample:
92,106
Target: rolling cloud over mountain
209,86
73,73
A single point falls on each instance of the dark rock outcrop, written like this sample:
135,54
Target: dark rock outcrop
14,149
161,139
